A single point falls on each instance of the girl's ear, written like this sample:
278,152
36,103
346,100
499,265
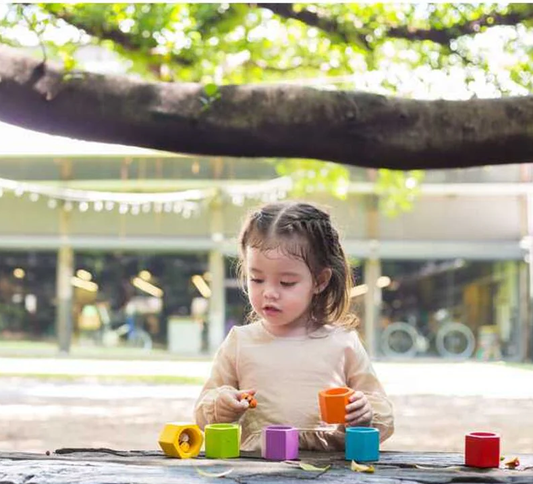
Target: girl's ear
322,280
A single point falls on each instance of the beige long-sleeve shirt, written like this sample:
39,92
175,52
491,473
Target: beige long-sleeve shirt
288,373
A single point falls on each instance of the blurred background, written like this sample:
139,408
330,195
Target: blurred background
117,264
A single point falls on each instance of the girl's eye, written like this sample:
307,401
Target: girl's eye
256,281
288,284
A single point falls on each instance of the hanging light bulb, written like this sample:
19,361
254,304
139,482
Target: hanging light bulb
187,202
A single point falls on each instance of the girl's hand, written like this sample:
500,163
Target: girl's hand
358,411
229,407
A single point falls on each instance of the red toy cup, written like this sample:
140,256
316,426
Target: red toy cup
482,449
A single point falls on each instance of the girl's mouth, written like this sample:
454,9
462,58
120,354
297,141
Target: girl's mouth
270,310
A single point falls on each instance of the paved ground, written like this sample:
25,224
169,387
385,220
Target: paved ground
435,404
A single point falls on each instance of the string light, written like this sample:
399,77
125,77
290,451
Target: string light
186,202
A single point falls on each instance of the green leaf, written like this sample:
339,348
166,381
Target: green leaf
69,63
211,90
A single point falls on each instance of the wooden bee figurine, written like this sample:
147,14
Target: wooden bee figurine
252,402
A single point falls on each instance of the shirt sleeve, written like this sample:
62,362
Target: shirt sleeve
223,376
360,375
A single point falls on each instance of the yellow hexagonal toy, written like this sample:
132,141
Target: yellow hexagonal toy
181,440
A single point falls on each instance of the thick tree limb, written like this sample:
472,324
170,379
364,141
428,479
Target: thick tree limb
440,36
261,121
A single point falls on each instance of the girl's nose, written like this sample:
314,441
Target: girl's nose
271,293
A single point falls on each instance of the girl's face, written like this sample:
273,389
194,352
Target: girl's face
280,288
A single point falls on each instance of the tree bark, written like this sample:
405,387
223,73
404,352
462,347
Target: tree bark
290,121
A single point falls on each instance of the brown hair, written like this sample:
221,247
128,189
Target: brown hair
304,231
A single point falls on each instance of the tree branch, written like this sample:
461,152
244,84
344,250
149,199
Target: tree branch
124,40
345,33
440,36
266,121
446,35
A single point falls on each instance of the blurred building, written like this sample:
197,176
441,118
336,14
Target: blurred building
80,253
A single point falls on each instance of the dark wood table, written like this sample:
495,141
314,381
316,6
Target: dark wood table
106,466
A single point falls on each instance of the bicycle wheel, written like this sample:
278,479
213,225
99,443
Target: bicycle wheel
399,340
140,339
455,340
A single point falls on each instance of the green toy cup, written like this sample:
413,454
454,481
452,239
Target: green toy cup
222,441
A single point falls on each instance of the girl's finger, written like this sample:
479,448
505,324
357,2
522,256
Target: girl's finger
352,407
356,396
363,412
365,418
356,415
250,392
230,402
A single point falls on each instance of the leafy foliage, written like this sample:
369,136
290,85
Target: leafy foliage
445,50
311,176
398,190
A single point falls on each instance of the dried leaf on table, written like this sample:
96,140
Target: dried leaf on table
312,468
361,468
213,474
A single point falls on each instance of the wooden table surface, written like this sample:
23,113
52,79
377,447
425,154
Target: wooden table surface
105,466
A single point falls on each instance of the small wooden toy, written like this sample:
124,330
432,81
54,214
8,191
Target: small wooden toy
333,403
512,463
181,440
252,402
362,444
482,449
279,442
222,441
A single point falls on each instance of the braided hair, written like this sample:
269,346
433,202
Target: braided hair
304,231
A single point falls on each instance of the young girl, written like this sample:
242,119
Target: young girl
302,339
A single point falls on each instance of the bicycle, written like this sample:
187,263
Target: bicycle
113,333
453,340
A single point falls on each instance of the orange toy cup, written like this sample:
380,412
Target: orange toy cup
333,403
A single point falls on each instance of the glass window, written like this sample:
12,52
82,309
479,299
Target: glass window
27,295
450,308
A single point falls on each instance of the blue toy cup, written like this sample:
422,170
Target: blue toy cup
362,444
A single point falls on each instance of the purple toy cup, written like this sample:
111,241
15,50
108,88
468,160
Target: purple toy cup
279,442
